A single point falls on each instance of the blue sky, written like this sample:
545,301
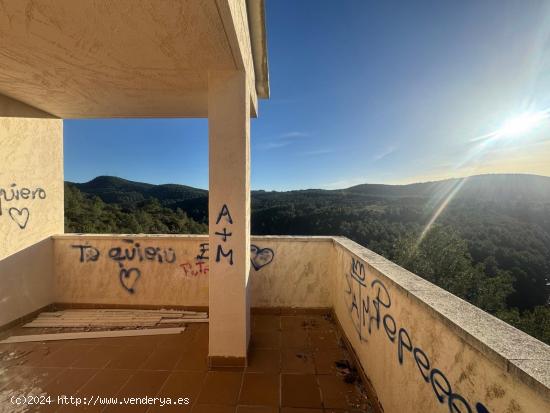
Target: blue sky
361,91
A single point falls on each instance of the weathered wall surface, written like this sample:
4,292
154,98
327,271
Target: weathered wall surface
423,347
31,206
26,281
299,274
173,270
31,182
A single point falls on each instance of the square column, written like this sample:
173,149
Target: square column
229,217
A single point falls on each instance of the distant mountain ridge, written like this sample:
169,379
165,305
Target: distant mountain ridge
489,187
112,189
493,187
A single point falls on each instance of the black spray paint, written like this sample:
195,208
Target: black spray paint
369,304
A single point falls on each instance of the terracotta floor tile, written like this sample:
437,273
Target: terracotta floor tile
106,383
131,357
179,406
193,359
39,352
265,340
297,361
260,389
338,394
257,409
141,384
65,356
300,390
323,340
176,366
293,323
163,358
97,357
266,323
325,360
321,322
264,361
221,387
69,381
182,341
295,339
132,341
200,335
206,408
183,385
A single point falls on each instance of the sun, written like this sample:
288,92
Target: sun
521,124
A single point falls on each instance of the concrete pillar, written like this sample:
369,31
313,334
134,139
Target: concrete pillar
229,217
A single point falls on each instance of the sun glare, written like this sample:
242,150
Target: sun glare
521,124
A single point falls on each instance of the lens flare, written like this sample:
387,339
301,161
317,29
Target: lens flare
518,126
522,124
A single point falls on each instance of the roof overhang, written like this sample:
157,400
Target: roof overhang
128,58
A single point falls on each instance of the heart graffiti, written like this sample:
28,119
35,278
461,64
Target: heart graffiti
260,257
20,216
128,280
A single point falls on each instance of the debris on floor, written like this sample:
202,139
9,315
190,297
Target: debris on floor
7,356
99,323
345,369
109,318
92,334
350,375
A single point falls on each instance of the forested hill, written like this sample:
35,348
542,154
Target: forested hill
494,230
117,190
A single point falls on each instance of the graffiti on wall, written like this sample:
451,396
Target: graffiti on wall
200,265
260,257
369,305
20,216
131,253
127,257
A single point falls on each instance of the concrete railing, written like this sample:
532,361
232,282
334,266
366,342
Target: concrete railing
422,348
173,270
426,350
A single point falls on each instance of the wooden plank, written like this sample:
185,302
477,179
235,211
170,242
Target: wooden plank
183,321
114,310
99,318
93,334
88,324
144,313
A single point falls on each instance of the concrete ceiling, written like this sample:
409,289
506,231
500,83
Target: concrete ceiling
123,58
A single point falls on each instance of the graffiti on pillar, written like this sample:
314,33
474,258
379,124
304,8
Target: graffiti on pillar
221,252
369,306
260,257
19,215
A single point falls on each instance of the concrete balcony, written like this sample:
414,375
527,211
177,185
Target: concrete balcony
321,306
416,346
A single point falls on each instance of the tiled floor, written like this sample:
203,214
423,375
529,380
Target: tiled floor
291,370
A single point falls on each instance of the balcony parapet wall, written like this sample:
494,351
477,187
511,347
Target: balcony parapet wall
172,270
426,350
